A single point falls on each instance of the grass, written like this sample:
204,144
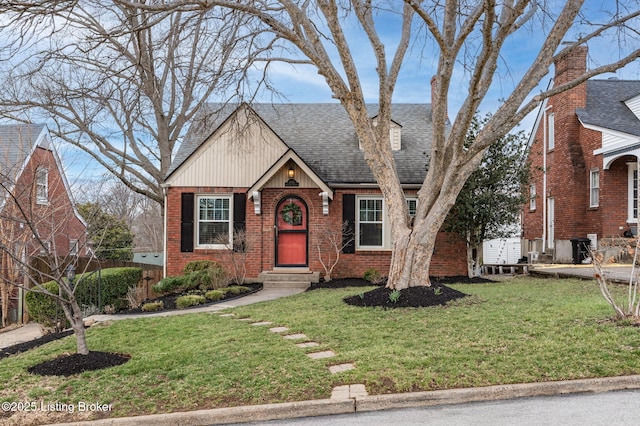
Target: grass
524,330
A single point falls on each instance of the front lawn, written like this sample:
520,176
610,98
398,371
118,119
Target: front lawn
523,330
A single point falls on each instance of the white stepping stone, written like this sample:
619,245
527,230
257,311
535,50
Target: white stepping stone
295,336
320,355
335,369
307,344
262,323
278,329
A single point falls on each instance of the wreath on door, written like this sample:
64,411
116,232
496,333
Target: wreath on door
292,214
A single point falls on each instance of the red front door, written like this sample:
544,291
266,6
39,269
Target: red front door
291,232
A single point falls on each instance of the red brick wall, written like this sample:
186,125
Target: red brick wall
449,258
569,166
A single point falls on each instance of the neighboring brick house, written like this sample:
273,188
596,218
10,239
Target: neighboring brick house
35,196
285,173
584,155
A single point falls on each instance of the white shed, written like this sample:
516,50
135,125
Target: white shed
501,251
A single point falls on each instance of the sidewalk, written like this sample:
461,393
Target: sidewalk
615,272
32,330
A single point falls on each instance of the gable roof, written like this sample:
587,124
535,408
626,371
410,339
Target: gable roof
17,143
323,136
606,107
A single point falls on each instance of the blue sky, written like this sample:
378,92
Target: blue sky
303,84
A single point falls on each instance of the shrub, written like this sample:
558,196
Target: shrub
44,309
237,289
170,284
135,297
114,285
211,278
189,300
153,306
373,276
214,295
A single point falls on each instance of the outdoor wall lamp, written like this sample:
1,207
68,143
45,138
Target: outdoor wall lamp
291,174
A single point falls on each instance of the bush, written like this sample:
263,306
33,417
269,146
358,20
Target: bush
170,284
114,285
189,300
43,308
237,289
373,276
214,295
205,275
152,306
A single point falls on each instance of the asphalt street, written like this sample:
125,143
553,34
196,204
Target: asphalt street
608,408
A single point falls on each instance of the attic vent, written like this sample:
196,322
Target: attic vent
395,135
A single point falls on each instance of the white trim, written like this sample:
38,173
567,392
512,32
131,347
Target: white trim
383,245
631,168
551,131
197,220
594,201
42,185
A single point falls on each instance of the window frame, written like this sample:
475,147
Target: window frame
594,190
198,221
532,197
632,193
42,185
551,132
382,221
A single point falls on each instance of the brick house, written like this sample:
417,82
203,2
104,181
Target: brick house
584,153
285,174
37,212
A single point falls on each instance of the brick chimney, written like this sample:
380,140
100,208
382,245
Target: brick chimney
570,64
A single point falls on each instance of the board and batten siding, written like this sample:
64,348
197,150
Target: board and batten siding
280,178
231,158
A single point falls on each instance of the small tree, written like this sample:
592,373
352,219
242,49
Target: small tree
629,308
235,253
491,200
332,241
48,230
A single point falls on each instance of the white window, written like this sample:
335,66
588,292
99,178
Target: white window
73,247
42,186
532,196
551,142
412,204
214,221
594,195
632,206
370,225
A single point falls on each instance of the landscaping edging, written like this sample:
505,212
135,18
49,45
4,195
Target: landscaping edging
323,407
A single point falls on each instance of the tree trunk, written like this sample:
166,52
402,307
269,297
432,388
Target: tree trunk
470,261
74,314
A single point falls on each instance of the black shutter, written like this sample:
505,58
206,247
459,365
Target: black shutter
239,219
186,222
349,218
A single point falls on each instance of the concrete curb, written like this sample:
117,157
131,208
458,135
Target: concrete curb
323,407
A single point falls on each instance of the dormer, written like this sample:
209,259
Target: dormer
395,134
634,105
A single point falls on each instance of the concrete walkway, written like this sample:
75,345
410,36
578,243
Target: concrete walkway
32,331
614,272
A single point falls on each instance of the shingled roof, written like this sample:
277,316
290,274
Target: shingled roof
324,137
606,108
16,144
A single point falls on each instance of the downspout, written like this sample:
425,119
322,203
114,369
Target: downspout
165,243
544,179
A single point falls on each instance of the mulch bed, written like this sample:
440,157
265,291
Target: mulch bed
70,364
25,346
169,301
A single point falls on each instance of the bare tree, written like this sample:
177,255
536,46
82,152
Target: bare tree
332,241
120,82
49,229
469,40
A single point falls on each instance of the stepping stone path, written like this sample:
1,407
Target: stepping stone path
339,392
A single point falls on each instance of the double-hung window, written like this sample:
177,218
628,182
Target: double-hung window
594,193
214,221
412,205
532,196
370,223
42,186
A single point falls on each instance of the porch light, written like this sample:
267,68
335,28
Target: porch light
291,174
